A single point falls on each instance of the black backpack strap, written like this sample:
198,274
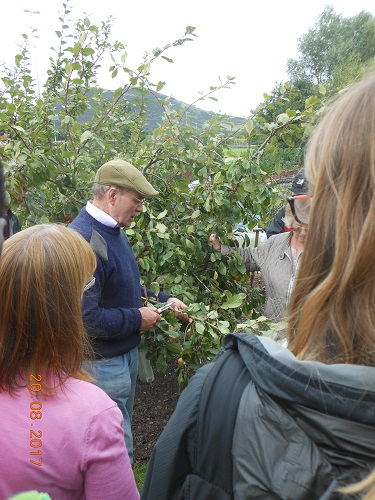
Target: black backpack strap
217,412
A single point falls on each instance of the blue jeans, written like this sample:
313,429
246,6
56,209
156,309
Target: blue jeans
117,377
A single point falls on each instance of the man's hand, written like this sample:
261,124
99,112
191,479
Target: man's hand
176,308
215,242
149,318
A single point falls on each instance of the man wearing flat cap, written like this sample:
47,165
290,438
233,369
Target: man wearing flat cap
112,307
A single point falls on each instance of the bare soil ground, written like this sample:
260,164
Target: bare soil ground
154,404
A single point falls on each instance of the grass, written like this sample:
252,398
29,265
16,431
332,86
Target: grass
139,474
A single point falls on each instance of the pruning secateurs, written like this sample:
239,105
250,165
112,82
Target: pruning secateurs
159,310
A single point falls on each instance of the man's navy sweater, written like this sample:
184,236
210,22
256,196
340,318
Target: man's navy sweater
111,307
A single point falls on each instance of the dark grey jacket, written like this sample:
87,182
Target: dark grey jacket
277,225
301,429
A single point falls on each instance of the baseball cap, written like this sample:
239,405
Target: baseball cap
122,174
300,184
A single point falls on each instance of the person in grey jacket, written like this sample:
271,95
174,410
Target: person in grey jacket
305,424
278,259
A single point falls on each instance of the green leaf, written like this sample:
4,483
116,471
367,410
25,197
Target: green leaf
160,86
234,301
76,49
162,228
248,186
124,56
117,93
199,327
249,127
155,288
88,51
207,203
212,315
312,101
322,90
161,363
173,347
282,118
224,327
190,30
222,269
85,136
145,69
162,214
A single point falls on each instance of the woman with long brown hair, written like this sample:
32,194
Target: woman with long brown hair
332,311
60,433
304,423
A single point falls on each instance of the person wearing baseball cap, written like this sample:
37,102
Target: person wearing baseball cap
299,184
277,226
112,307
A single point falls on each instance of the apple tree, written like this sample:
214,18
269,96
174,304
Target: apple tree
54,141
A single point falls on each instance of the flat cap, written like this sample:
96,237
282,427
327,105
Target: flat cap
121,173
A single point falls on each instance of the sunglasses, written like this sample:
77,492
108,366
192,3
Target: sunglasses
291,200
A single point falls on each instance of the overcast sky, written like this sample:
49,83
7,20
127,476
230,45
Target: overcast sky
242,38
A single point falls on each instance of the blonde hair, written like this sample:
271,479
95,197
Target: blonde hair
43,270
332,308
366,486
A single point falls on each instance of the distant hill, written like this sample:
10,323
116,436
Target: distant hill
195,116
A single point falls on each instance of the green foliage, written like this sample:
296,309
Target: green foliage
139,475
52,154
336,52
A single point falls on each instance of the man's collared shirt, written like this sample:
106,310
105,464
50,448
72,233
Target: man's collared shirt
100,216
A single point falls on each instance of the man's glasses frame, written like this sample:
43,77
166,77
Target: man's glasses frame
137,202
291,200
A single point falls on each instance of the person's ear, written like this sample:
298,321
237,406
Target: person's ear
112,193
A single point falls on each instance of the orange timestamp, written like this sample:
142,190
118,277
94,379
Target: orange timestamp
35,414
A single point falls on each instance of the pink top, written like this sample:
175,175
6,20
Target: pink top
75,439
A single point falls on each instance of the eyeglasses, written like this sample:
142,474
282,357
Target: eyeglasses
89,284
137,202
291,200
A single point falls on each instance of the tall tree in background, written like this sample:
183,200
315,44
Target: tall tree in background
336,51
